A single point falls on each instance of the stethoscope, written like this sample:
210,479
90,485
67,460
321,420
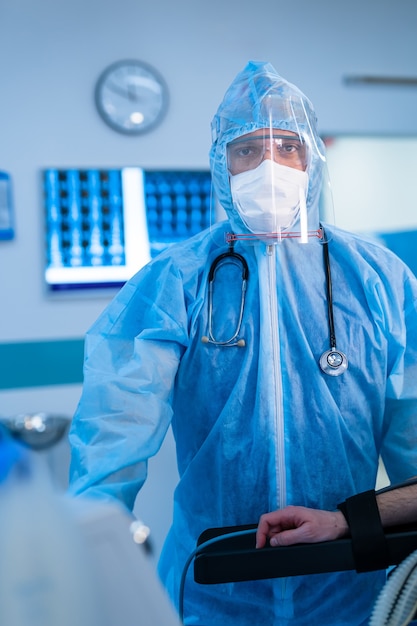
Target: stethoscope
332,362
237,259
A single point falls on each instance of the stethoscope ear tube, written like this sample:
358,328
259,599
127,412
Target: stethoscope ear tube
234,340
230,254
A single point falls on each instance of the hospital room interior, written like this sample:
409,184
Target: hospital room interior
356,62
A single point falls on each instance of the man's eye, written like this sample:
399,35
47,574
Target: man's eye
291,147
246,151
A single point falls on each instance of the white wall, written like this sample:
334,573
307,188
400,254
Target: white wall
384,169
52,53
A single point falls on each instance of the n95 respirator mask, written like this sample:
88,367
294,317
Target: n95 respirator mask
268,198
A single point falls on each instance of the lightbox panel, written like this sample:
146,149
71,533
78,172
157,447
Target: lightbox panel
103,225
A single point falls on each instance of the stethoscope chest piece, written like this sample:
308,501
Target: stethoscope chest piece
333,362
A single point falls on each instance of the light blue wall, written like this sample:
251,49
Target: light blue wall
52,53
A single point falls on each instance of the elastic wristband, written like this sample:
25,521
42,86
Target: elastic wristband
369,546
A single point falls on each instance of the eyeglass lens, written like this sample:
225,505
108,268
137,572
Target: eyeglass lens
245,154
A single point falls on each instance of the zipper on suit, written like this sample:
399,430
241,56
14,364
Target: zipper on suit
280,470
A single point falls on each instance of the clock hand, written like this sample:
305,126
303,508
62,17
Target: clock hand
129,93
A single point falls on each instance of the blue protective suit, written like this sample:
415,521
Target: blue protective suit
262,426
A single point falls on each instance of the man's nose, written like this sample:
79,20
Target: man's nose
271,155
268,154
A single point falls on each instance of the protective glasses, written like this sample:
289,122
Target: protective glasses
247,152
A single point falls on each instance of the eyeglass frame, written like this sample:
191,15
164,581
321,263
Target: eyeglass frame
268,139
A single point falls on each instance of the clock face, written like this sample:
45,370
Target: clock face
131,97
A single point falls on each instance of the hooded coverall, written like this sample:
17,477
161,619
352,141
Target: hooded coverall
258,427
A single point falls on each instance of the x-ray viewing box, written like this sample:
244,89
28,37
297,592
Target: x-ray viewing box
6,207
102,225
235,559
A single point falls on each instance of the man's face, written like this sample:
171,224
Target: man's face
282,146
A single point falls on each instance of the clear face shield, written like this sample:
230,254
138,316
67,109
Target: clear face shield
269,182
276,169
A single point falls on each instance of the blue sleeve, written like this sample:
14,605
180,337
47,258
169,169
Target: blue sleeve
399,451
131,359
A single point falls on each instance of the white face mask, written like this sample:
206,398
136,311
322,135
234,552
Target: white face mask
268,197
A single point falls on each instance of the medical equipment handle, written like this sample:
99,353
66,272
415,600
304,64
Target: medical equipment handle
236,559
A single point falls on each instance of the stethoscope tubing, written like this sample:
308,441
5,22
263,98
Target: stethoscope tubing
235,258
332,362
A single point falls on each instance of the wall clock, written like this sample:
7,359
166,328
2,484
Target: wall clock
131,97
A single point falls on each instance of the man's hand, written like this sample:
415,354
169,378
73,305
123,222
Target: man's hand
298,524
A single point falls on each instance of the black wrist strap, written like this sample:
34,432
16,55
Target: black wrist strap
369,546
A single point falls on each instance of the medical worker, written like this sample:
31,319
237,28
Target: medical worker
285,371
